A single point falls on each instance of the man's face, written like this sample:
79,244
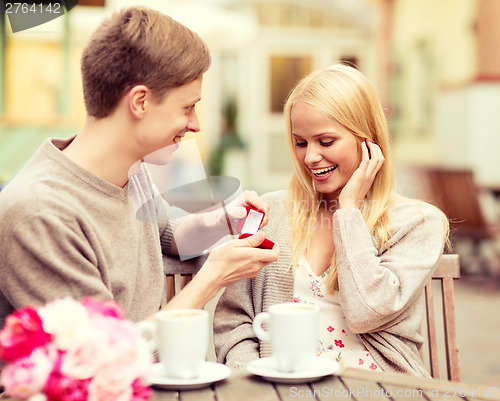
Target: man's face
166,122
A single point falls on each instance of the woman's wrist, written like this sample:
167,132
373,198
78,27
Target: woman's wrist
348,204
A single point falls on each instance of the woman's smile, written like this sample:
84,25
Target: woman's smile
323,174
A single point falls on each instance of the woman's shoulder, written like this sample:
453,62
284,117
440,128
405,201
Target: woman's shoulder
278,196
405,209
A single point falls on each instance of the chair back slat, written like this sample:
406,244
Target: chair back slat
179,273
451,341
447,270
448,267
431,331
169,287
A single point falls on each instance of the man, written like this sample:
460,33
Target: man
67,220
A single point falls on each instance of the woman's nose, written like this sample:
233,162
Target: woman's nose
312,155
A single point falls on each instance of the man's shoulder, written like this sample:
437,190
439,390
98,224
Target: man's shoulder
19,202
31,195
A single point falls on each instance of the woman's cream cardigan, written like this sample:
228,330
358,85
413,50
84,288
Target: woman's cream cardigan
381,292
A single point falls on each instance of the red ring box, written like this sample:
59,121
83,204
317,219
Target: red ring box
249,225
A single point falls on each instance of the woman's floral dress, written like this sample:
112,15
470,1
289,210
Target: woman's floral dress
336,341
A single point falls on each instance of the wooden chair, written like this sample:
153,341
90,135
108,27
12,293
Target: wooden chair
179,273
447,270
455,192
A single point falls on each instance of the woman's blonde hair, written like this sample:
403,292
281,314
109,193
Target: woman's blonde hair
344,94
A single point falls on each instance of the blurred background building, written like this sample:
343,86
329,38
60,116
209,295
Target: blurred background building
434,63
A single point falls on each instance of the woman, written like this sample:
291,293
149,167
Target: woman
348,242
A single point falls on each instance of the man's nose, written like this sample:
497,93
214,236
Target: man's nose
193,123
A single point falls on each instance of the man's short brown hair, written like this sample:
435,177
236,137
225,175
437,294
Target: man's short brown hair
139,46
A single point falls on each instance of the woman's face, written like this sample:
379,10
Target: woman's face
327,149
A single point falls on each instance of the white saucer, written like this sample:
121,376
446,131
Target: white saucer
266,368
211,372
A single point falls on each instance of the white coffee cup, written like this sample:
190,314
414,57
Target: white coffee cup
181,337
293,333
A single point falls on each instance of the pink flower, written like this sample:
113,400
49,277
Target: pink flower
27,376
114,377
85,355
105,394
99,390
140,391
72,351
22,333
122,337
103,308
62,388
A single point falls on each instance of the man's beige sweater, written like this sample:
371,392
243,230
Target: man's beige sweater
66,232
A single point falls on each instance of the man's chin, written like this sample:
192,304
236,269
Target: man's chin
162,156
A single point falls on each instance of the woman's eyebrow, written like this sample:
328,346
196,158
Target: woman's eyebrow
317,135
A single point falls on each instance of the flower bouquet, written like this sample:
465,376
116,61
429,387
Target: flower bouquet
74,351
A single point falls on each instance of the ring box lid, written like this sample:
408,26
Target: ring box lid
251,224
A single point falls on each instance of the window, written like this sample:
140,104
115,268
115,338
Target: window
285,73
350,60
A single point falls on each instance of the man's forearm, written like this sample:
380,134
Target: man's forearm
195,295
198,232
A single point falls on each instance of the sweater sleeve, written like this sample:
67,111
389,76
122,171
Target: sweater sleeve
376,288
167,227
234,339
49,258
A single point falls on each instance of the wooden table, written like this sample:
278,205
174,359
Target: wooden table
351,384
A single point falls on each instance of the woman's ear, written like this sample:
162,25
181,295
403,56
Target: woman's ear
138,100
368,147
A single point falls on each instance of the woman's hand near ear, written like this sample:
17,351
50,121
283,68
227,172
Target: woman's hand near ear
362,179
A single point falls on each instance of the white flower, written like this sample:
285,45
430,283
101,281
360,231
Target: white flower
67,320
38,397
